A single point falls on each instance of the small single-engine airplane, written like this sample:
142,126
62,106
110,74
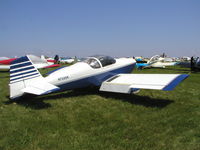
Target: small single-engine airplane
109,74
161,62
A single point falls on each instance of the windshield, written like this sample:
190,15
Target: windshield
92,62
106,60
99,61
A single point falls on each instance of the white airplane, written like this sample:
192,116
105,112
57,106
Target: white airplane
111,75
67,60
42,62
160,62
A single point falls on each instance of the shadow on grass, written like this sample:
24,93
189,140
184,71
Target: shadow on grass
4,71
39,102
3,75
138,100
131,98
29,101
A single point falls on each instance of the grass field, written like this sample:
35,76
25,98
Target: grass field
89,119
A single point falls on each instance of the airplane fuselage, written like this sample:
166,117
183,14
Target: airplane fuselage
163,64
82,74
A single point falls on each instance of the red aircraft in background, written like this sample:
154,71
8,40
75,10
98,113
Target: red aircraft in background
37,62
7,61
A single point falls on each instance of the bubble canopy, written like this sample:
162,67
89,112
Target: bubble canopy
99,61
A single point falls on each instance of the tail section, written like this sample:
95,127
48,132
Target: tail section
25,78
22,69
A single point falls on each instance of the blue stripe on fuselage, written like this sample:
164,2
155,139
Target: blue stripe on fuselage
50,72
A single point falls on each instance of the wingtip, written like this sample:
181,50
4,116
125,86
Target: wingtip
175,82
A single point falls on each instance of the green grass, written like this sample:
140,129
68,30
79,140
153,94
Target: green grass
88,119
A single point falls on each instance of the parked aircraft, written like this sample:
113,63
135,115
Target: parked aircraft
161,62
155,62
140,63
4,58
67,60
111,75
5,63
37,62
197,64
42,62
188,64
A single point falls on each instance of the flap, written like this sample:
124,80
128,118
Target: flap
124,83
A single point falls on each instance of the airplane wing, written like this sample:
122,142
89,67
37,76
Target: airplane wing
127,83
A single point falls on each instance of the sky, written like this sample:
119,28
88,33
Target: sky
111,27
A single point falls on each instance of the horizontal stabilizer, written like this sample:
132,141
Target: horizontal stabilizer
126,83
40,88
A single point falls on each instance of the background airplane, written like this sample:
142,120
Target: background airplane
197,63
4,58
37,62
161,62
5,63
140,63
193,63
42,62
111,75
67,60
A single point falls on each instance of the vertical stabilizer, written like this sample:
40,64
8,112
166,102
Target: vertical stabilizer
25,78
21,70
